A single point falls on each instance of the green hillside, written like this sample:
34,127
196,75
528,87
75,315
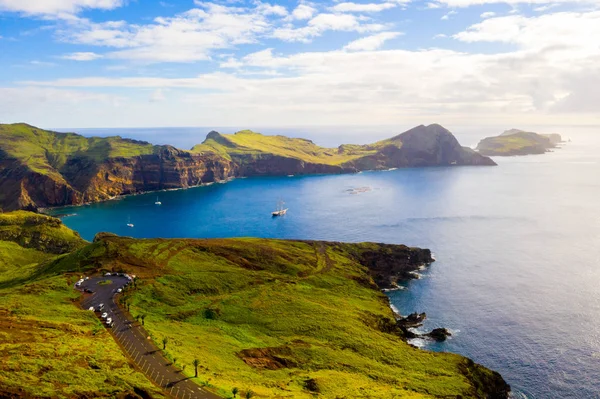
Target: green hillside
49,347
518,142
46,152
247,142
286,319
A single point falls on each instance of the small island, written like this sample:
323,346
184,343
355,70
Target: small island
518,142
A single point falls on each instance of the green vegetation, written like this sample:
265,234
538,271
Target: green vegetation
517,142
279,318
50,347
248,143
47,152
40,232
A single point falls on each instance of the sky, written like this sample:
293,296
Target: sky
142,63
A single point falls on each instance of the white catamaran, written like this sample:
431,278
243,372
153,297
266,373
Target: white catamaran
280,210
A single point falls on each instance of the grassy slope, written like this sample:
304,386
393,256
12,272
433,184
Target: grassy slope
38,231
247,142
514,141
45,152
311,302
49,347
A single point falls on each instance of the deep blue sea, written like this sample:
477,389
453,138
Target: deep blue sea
517,276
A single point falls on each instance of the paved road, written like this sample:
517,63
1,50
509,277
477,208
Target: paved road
134,341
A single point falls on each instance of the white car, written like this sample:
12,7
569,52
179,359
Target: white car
91,308
104,315
108,321
120,290
107,274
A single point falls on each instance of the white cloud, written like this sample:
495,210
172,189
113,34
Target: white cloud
448,15
469,3
187,37
157,96
575,31
42,63
372,42
545,75
362,7
433,6
326,22
304,11
488,14
270,9
57,7
82,56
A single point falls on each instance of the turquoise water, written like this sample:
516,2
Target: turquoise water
517,275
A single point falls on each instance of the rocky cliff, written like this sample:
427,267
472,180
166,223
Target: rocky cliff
39,168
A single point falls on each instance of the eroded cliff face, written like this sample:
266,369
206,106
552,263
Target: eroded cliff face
274,165
168,169
81,180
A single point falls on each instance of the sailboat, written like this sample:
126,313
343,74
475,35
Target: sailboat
280,210
129,224
157,202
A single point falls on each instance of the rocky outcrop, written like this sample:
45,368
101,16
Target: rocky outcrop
431,145
438,334
389,264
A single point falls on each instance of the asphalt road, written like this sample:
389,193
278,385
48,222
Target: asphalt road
135,342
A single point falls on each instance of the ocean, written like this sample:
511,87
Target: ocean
517,275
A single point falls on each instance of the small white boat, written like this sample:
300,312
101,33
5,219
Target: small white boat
129,224
280,210
157,202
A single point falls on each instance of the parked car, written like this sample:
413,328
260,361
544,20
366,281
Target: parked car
88,291
120,290
104,315
91,308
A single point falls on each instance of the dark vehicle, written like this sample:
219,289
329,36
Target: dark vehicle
88,291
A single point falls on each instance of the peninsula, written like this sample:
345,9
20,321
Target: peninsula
518,142
40,168
277,318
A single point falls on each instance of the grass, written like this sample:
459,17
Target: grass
277,317
285,319
38,231
49,347
520,142
47,152
249,143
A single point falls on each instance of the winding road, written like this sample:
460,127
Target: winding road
135,341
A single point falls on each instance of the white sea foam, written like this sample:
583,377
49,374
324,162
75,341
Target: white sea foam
417,342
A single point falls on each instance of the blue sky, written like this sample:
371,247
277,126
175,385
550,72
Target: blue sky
119,63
